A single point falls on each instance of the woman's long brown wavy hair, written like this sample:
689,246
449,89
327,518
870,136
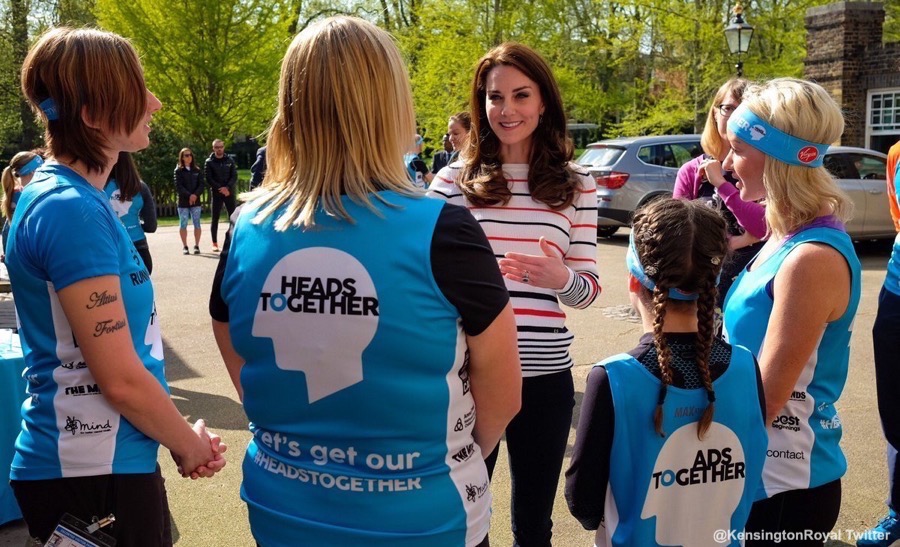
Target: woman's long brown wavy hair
550,181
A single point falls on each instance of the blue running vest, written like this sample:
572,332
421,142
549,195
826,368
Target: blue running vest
803,439
677,489
64,231
355,383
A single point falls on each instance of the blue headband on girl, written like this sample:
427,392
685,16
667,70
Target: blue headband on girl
29,167
774,142
637,270
48,106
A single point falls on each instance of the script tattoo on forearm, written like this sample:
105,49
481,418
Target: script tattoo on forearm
108,327
101,299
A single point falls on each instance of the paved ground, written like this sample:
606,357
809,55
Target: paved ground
211,513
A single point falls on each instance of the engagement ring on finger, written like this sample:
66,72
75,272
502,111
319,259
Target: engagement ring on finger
525,277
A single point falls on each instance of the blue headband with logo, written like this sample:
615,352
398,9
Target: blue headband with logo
30,167
48,106
637,270
774,142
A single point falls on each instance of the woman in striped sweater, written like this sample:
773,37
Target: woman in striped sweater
539,212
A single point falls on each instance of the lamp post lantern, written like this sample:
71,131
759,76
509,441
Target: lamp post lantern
737,35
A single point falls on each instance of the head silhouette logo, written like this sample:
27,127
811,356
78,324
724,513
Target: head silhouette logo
120,207
695,486
320,308
757,132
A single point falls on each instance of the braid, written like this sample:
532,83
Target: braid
706,307
682,245
663,354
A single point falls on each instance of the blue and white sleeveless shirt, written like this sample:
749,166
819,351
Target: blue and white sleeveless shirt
64,232
128,211
678,489
356,383
804,438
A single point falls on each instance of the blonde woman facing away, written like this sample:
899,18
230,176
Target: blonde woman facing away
368,429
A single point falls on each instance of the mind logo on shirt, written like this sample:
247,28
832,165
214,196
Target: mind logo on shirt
320,308
76,427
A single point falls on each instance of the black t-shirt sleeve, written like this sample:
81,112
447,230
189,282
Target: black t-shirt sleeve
218,309
148,211
588,474
466,270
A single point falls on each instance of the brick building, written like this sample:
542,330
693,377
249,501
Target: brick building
845,55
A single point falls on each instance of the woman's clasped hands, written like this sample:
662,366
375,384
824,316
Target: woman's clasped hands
205,457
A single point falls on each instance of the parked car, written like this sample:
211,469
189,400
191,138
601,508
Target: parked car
632,171
861,173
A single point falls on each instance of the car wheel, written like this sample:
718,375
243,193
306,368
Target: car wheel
606,231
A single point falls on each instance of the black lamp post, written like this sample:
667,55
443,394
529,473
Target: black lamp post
738,35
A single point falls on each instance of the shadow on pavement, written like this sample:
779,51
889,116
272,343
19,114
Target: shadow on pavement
219,412
176,368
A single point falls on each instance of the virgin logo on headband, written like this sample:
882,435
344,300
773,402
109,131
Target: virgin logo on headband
808,154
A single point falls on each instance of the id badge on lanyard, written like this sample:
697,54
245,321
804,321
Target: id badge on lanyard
74,532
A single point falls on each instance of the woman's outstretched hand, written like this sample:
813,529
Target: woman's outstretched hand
547,271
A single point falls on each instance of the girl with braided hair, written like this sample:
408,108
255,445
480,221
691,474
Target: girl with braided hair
680,417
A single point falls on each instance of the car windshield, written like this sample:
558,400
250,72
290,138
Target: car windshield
600,156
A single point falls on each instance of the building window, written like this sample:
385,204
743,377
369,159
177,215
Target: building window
883,118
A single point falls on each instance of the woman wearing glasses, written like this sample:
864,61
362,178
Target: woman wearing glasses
703,178
189,185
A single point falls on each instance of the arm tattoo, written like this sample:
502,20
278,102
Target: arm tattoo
108,327
101,299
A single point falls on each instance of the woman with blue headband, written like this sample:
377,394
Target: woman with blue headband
794,304
682,412
16,176
98,406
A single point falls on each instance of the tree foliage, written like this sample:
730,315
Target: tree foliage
214,64
631,66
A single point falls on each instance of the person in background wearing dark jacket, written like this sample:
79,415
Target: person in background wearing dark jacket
189,185
442,158
258,169
221,175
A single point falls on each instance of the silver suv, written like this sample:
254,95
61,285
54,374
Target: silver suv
632,171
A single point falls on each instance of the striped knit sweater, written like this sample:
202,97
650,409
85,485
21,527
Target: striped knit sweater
518,226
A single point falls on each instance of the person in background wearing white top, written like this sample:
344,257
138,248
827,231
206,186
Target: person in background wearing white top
539,211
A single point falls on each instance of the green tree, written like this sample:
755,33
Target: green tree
213,64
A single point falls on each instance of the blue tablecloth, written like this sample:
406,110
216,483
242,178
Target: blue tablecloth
12,393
